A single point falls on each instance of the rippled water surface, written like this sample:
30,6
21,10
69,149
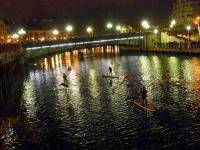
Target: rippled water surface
98,113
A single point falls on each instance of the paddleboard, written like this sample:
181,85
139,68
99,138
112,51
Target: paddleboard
149,108
106,76
163,83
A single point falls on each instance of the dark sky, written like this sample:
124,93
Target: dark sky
129,11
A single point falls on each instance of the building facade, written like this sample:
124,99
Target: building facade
184,11
4,32
44,35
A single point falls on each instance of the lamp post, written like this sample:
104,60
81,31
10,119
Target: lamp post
89,30
197,22
155,31
173,23
188,28
109,26
145,24
21,33
55,32
118,28
69,29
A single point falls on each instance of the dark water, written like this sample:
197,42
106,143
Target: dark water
98,113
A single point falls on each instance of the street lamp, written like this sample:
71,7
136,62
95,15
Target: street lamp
155,31
145,24
89,30
118,28
69,28
21,32
55,32
109,25
173,23
188,28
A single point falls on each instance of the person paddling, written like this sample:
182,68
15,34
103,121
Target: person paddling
167,77
110,70
64,78
143,93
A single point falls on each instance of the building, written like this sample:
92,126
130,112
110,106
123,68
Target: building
4,32
184,11
43,30
45,35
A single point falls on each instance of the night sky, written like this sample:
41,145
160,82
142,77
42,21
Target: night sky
128,11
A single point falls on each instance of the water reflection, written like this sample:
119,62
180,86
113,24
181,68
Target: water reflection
96,113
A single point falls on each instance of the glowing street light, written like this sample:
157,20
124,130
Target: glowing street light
89,30
118,28
109,25
155,31
173,22
21,32
145,24
188,28
69,28
55,32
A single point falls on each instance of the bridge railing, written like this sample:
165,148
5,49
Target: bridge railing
83,41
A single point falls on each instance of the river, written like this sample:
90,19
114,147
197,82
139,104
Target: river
98,113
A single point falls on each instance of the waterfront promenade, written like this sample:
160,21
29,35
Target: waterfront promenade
189,51
9,53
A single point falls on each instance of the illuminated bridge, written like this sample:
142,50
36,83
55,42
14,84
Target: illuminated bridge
43,48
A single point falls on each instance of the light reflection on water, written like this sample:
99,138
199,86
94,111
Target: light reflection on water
98,113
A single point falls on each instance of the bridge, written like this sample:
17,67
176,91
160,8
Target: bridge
44,48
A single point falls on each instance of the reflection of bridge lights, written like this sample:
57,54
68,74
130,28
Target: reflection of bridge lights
57,61
45,63
60,59
52,62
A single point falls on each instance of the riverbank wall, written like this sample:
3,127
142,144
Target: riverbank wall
11,58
